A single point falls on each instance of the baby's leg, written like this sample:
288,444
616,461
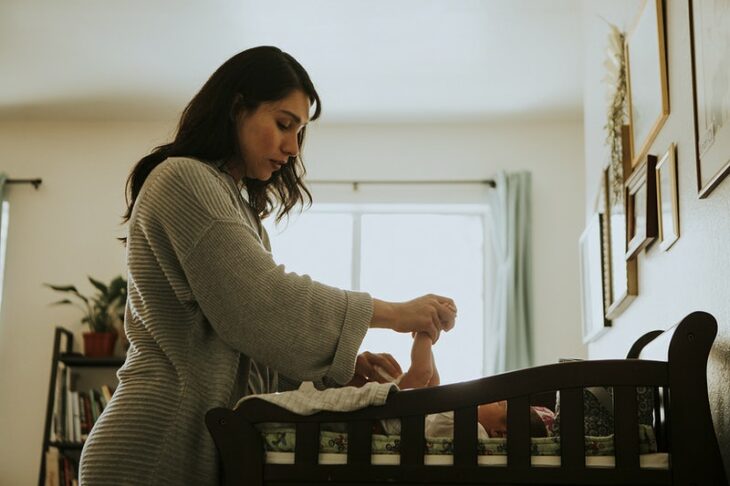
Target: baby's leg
435,379
421,372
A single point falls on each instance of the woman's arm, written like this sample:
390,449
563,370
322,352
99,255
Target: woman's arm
429,314
218,264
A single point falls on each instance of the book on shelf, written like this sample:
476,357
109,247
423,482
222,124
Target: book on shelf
88,420
100,401
94,405
76,417
52,470
69,436
83,424
61,470
76,411
66,471
107,391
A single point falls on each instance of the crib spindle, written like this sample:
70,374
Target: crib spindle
626,428
572,440
359,442
665,417
412,446
465,436
306,449
518,433
658,420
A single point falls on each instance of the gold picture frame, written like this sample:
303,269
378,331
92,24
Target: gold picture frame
641,208
646,79
602,208
623,278
667,199
709,22
591,280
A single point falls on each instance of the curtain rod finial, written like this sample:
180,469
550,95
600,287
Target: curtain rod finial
35,182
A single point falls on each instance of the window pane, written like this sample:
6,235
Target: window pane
407,255
316,244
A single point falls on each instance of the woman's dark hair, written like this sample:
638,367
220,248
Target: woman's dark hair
207,127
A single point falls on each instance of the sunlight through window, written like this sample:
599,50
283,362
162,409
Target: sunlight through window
398,255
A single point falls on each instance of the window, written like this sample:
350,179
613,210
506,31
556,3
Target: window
396,253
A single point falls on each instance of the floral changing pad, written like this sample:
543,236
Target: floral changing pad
282,439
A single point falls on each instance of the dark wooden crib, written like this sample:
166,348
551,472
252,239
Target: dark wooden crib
673,362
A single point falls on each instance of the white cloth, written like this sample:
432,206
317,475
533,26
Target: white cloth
307,400
439,424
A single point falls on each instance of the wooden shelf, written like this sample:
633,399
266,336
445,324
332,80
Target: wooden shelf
79,360
63,352
66,445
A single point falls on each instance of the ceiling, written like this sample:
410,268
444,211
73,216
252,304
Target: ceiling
371,60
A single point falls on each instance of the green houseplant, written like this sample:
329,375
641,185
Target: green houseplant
101,311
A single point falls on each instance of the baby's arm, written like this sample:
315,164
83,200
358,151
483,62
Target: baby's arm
423,367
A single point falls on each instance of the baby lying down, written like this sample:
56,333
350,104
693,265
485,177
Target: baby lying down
492,417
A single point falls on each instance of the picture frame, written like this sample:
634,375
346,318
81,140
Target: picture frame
709,24
602,208
623,274
646,78
667,198
591,280
641,207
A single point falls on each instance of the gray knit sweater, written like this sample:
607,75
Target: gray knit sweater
205,299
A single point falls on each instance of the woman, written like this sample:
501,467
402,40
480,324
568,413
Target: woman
206,301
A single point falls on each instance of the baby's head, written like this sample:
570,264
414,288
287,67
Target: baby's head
493,417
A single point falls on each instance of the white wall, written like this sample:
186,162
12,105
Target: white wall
693,274
68,228
65,230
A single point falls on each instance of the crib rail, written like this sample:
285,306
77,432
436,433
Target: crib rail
683,375
512,385
411,406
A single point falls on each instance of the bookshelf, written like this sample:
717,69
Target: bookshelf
67,364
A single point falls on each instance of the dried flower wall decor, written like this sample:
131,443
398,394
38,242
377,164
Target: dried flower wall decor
615,78
622,278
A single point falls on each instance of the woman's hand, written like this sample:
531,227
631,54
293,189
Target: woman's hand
430,314
365,368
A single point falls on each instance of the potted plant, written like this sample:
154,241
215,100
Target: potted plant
101,311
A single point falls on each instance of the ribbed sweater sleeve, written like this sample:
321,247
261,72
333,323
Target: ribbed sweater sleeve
302,328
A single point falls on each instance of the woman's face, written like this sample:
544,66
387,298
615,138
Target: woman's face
267,137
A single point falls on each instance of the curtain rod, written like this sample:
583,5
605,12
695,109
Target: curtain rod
355,184
36,182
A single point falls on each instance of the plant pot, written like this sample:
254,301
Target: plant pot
99,344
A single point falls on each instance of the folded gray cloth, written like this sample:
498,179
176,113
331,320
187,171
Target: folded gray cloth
307,400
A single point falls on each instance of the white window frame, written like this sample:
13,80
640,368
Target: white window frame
357,210
428,199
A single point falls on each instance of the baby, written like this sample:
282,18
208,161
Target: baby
423,373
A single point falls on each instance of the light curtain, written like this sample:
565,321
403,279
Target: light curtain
508,331
3,231
3,178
